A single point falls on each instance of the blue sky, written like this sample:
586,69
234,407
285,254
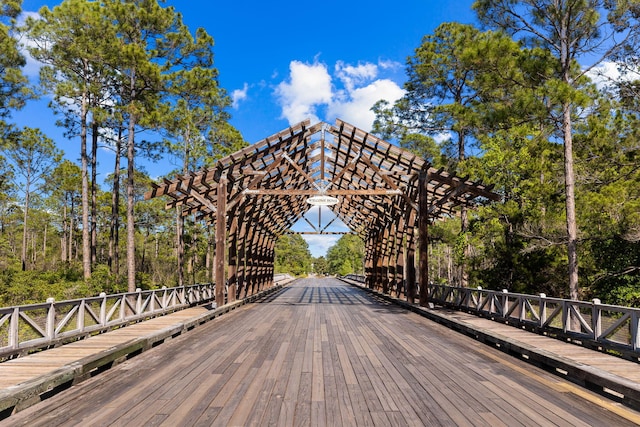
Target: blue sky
285,61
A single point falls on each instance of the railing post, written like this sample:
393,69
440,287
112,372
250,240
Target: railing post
565,316
103,309
139,301
14,338
81,311
479,300
505,303
542,309
164,297
635,330
51,318
596,319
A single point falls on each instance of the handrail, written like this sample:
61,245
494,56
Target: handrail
38,326
591,324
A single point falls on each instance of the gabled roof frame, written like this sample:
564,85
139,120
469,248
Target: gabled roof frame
385,194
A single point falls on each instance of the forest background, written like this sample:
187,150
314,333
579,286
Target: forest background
559,141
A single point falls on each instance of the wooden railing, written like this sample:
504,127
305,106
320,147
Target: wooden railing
591,324
37,326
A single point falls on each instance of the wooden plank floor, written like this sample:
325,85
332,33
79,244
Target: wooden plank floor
322,353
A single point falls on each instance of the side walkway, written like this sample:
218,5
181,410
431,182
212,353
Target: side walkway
606,374
27,380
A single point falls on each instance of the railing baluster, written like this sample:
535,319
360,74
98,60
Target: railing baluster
50,327
14,338
103,309
505,303
635,330
80,314
542,310
596,319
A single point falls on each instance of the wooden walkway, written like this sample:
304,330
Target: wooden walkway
320,352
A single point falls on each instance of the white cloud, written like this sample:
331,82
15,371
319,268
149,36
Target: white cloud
349,94
390,65
319,244
355,107
442,137
32,67
355,75
309,86
239,95
604,74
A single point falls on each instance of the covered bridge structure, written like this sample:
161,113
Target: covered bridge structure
386,195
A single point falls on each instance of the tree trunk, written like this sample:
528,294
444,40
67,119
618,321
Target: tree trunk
114,232
180,218
70,245
569,176
24,226
463,274
44,243
63,240
569,185
94,192
131,232
86,236
180,244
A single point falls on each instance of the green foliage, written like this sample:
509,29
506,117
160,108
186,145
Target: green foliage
292,255
320,266
31,287
346,256
14,90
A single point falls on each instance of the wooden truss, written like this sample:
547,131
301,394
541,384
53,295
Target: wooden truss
385,194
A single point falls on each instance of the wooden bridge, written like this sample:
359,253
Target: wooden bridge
318,351
321,352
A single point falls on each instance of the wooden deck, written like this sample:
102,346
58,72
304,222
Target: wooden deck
320,352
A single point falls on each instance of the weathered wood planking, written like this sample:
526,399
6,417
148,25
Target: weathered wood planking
321,353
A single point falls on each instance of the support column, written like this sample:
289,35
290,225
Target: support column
368,265
423,237
410,280
241,271
399,257
233,260
221,240
385,261
271,257
251,251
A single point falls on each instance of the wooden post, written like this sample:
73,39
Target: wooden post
398,259
256,276
385,259
271,258
411,270
410,263
221,240
241,272
250,254
233,260
423,237
377,264
368,267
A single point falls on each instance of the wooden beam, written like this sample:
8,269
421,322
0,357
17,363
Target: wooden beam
221,240
423,237
294,192
321,232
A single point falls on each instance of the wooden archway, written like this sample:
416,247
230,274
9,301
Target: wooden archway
385,193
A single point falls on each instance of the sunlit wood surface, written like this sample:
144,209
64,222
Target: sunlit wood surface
320,352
